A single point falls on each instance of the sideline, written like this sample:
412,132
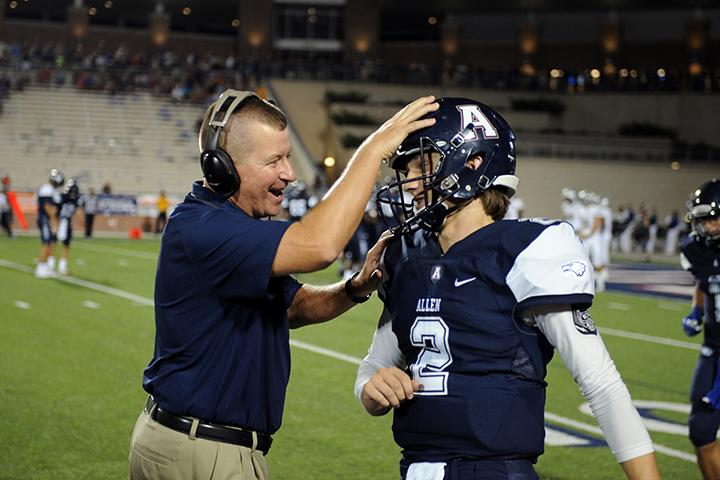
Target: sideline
349,358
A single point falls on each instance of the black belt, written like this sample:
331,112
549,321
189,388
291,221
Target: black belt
209,431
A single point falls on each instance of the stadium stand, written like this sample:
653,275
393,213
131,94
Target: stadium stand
138,142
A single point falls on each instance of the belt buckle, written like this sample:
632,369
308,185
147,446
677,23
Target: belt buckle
150,406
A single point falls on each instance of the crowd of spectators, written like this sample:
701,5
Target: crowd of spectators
197,77
194,78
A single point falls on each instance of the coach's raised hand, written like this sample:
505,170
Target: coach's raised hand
391,134
318,238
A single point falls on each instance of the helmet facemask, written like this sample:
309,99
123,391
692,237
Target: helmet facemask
402,203
699,215
464,130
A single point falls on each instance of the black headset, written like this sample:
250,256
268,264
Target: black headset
217,166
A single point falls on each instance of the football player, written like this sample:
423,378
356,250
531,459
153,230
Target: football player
594,237
68,205
701,256
570,207
474,306
48,200
298,202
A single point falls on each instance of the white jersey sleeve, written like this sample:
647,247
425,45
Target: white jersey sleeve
685,263
553,268
46,190
384,352
575,337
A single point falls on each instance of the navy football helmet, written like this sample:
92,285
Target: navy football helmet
463,130
704,204
56,178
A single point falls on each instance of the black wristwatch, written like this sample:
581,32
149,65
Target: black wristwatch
351,294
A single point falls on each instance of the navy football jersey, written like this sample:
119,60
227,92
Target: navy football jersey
298,203
68,206
703,261
457,320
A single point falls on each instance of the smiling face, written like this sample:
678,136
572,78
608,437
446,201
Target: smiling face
261,154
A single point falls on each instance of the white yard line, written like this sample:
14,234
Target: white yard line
594,429
619,306
83,283
675,307
649,338
356,361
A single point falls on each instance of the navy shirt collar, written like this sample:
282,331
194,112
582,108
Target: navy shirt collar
205,194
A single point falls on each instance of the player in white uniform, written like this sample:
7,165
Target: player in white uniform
571,208
515,209
48,201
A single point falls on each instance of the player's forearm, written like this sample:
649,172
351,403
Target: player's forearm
314,304
641,468
336,218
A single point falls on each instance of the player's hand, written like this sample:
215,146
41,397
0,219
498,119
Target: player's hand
391,134
388,388
692,323
370,274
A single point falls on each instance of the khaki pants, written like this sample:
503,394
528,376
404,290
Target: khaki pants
161,453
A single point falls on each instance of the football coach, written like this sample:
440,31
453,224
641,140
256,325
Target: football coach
224,297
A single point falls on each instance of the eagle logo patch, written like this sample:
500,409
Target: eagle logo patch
584,322
578,268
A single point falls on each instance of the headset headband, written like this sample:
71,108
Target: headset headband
229,101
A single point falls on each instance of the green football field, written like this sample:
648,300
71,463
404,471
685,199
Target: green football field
72,351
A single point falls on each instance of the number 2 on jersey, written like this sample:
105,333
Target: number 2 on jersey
431,335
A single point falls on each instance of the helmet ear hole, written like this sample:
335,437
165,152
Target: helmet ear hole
475,162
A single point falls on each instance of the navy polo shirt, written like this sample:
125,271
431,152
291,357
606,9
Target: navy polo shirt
222,349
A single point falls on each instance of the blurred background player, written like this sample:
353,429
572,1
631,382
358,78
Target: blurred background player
571,208
701,256
89,205
367,233
652,234
516,209
6,216
593,236
605,212
626,219
68,206
298,201
162,205
48,200
673,226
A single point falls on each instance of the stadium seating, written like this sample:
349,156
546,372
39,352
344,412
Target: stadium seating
138,143
135,142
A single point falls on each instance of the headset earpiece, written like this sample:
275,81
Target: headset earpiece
216,164
219,172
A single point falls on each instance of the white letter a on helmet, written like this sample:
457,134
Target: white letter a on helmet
471,114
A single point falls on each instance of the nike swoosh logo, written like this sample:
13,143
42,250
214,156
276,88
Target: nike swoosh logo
460,283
